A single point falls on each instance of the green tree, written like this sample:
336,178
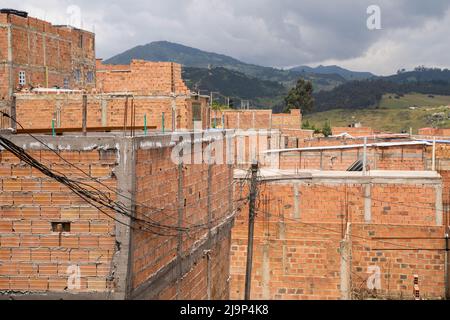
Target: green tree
306,125
327,129
300,97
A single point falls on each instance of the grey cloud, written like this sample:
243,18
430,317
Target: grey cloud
267,32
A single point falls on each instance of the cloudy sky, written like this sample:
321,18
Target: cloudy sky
276,33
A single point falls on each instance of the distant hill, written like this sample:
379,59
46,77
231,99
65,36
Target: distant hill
195,58
368,93
168,51
231,83
346,74
420,74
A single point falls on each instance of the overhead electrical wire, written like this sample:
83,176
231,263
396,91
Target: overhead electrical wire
95,197
117,204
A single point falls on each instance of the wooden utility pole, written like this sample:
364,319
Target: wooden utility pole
251,228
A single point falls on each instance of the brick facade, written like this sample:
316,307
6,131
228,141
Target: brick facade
114,260
318,237
257,119
141,78
354,132
48,55
406,157
443,132
36,111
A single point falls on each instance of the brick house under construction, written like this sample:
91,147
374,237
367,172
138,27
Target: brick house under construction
35,53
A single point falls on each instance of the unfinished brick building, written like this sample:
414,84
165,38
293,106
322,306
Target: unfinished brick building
340,235
49,236
257,119
35,53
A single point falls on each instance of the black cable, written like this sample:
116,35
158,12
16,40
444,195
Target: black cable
116,191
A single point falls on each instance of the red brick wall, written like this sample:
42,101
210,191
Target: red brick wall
293,120
258,119
157,186
434,132
32,257
297,244
141,77
386,158
37,45
355,132
194,283
35,111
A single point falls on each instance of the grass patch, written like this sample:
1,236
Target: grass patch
394,115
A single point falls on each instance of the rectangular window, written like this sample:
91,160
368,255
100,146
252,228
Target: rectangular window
66,83
196,112
61,226
22,78
90,77
77,75
80,43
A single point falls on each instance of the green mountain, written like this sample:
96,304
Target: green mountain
368,93
195,58
346,74
231,83
235,85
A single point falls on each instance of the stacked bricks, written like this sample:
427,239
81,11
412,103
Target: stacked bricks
35,258
287,121
258,119
46,53
301,225
142,77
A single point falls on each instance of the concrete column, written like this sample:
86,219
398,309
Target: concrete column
104,106
253,119
296,201
58,114
209,214
439,206
13,114
321,160
346,265
180,198
367,203
10,62
122,259
265,266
